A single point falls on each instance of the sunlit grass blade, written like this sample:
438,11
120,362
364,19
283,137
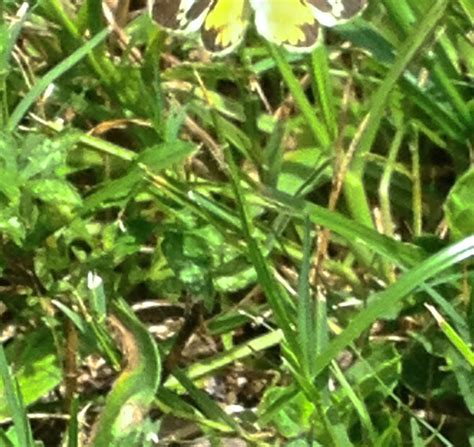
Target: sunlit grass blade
238,353
273,154
401,14
452,336
305,307
468,7
277,297
386,300
5,440
15,403
8,38
358,404
207,405
444,75
403,254
355,192
416,437
323,89
449,310
27,102
173,404
73,425
318,128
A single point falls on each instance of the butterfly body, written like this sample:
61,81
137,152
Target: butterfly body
293,24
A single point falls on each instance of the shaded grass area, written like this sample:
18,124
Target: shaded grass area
295,231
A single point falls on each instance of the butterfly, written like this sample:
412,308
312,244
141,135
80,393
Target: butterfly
293,24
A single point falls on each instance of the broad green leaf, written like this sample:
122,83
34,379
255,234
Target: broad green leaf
188,256
36,367
55,191
292,419
130,399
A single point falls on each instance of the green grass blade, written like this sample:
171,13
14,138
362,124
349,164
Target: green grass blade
4,440
416,437
449,310
240,352
305,307
390,297
173,404
8,38
322,87
15,403
393,395
318,128
354,190
357,403
403,254
276,296
25,104
468,7
207,405
401,14
452,336
73,425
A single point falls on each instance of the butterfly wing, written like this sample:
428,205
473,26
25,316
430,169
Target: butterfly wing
180,15
225,25
333,12
289,23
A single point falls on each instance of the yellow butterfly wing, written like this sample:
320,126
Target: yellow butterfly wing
225,25
289,23
180,15
293,24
